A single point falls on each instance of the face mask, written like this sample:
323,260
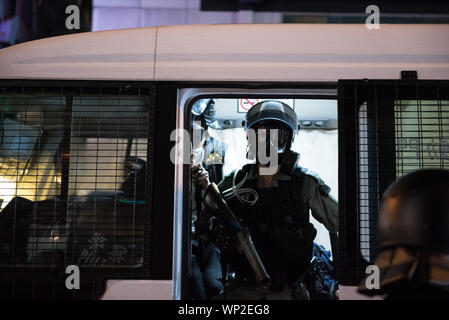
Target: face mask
209,116
267,142
276,137
289,162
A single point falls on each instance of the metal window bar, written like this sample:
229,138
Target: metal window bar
419,142
65,198
421,134
402,127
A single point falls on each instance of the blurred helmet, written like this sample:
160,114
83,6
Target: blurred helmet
415,211
413,230
135,177
204,110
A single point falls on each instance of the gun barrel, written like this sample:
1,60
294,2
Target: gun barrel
251,254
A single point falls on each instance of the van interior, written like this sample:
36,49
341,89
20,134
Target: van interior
316,142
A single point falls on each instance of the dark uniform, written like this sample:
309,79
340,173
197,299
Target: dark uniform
206,266
276,215
280,229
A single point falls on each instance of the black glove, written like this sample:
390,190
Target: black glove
200,176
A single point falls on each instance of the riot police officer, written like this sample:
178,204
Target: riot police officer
413,238
273,206
209,153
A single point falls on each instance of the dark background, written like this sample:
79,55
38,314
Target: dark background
24,20
347,6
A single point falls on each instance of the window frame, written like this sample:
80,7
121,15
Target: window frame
186,97
70,89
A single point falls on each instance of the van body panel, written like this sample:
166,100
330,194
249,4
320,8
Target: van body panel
104,55
301,52
138,290
350,293
235,52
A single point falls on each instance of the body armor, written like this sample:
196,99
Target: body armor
279,227
213,158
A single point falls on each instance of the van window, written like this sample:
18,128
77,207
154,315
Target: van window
421,134
73,175
396,126
220,143
421,141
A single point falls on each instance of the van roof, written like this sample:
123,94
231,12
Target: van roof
239,52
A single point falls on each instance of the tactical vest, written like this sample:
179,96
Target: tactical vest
214,154
280,229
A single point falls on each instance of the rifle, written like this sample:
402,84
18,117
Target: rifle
215,204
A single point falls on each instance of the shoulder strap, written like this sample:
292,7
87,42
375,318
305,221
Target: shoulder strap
298,173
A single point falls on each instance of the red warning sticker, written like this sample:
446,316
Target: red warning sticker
246,104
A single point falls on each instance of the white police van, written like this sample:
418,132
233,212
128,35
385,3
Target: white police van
87,121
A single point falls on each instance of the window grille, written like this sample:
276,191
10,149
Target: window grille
421,135
388,128
74,176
